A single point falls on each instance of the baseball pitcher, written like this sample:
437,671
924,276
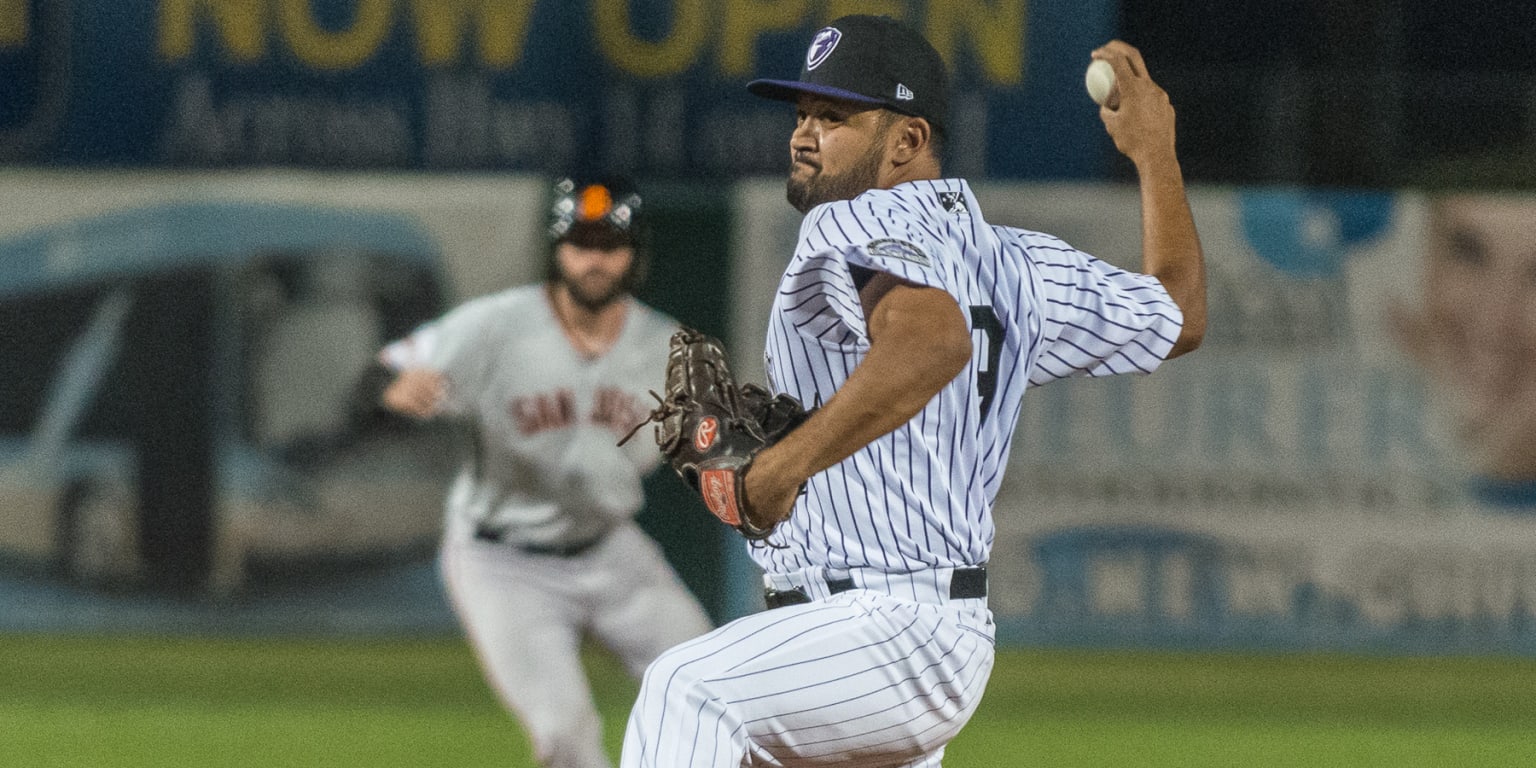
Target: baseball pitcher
911,327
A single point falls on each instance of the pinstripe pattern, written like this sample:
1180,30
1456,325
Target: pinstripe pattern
885,674
921,496
856,680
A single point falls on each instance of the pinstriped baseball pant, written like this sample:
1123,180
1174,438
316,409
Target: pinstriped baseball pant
855,679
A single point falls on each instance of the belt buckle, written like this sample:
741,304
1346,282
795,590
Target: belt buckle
968,583
778,598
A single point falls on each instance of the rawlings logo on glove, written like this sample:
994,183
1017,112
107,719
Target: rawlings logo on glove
704,436
709,428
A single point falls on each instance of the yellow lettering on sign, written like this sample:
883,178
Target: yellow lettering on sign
995,29
836,9
745,20
241,25
15,20
669,56
343,49
502,25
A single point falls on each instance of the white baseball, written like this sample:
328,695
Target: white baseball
1100,80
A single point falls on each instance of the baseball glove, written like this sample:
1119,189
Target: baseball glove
709,428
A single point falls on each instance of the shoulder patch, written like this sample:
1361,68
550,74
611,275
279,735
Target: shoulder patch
954,202
891,248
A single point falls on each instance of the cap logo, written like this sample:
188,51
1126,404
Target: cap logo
903,93
821,47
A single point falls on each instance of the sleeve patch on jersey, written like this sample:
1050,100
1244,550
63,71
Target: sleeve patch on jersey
891,248
954,202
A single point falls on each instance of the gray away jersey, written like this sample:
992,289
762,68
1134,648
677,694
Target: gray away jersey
1039,310
547,470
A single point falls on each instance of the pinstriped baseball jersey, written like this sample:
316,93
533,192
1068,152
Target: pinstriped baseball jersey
1039,310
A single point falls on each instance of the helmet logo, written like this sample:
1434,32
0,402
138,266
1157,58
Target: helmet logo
595,202
597,207
821,47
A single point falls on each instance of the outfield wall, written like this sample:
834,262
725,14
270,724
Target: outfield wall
1302,481
298,534
1309,479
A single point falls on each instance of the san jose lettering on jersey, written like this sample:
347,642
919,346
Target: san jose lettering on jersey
1040,310
611,407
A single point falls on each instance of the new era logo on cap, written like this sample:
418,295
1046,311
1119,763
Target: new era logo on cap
821,47
903,93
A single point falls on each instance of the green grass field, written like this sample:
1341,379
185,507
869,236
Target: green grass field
110,702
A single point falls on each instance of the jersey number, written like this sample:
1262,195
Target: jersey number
984,319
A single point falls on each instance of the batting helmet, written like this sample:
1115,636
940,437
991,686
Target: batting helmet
605,213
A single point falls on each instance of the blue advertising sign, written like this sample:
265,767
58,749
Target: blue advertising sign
643,86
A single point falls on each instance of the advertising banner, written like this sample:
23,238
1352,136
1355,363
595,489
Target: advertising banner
650,87
1325,473
181,439
1349,462
187,442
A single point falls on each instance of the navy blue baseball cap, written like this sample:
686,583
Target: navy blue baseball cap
874,60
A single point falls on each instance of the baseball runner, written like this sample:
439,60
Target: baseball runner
540,546
911,327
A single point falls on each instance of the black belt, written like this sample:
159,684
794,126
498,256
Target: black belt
552,550
964,584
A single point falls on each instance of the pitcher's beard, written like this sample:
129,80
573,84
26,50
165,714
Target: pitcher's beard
822,187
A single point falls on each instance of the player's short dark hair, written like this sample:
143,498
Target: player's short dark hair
935,136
